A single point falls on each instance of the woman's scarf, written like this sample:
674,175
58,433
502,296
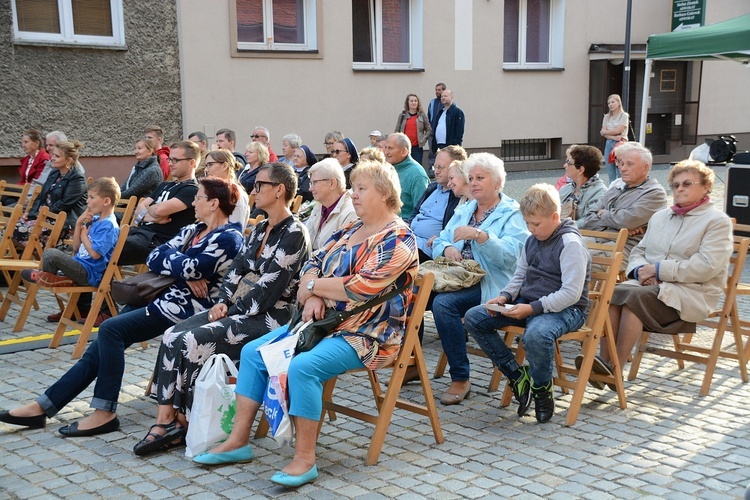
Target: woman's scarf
683,210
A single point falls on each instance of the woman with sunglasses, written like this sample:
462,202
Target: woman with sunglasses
257,295
677,271
223,164
346,153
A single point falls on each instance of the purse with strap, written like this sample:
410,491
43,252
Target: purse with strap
141,289
312,332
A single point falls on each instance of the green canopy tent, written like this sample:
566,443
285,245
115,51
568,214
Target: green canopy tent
727,40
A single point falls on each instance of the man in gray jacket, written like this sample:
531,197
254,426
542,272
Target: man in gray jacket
631,200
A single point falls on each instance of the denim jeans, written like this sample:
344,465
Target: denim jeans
448,308
307,372
612,171
104,361
538,339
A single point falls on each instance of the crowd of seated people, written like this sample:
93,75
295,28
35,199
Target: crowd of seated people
371,217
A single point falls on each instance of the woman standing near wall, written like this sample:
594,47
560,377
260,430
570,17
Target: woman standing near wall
614,128
414,123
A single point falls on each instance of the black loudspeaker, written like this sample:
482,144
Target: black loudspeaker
737,200
742,158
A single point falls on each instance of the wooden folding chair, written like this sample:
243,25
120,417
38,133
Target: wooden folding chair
295,204
10,215
69,307
685,350
31,257
18,191
410,355
252,222
33,195
599,242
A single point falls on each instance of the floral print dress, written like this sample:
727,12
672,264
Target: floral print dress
266,277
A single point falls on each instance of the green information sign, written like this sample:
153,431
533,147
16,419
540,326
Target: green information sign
688,14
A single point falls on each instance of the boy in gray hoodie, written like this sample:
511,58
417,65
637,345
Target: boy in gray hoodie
548,295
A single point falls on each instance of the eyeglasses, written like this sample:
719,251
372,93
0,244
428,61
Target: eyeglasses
571,162
337,152
685,184
328,144
259,185
172,161
199,196
210,164
318,180
256,136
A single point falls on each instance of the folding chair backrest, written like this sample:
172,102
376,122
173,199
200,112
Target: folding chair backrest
8,219
296,203
18,191
33,195
46,220
126,207
602,245
252,222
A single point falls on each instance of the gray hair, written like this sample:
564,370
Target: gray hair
334,135
402,140
489,162
632,146
331,168
61,137
294,140
264,129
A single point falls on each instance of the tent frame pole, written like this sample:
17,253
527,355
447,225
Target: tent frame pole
644,102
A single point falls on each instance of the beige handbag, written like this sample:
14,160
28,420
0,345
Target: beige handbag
451,275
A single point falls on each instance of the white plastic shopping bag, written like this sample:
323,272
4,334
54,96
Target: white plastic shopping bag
277,354
212,414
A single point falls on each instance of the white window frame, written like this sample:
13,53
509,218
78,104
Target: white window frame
67,35
415,39
556,38
310,25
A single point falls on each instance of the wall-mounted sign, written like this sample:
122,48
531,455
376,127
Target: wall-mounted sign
688,14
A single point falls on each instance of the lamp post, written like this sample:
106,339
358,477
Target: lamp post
626,65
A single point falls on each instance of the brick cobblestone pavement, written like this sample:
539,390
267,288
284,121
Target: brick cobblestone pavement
668,443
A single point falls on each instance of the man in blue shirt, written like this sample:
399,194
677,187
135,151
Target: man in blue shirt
435,208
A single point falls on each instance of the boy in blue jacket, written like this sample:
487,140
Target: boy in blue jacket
548,295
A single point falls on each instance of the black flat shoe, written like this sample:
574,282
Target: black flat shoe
35,422
73,431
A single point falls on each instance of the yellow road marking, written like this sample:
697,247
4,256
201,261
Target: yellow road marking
44,336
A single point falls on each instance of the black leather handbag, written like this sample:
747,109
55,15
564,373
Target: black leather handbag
141,289
316,331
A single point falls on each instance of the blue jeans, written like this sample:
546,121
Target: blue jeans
307,372
448,308
612,171
104,361
539,338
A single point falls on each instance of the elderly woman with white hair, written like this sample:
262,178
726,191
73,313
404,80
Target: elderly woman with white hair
289,143
490,230
333,209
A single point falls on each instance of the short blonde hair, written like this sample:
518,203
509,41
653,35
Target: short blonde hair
540,199
705,174
106,187
261,149
373,154
384,179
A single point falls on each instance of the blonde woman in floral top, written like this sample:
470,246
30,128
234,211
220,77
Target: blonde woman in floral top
257,295
365,259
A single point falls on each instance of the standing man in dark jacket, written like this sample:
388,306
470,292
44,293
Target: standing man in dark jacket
436,206
448,124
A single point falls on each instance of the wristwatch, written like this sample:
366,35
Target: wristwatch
310,285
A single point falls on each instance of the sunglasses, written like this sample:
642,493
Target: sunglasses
685,184
337,152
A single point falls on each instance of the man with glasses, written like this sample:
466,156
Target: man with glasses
168,209
436,206
631,200
263,136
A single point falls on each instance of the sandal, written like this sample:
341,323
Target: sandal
161,442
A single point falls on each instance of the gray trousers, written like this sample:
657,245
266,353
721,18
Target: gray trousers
54,260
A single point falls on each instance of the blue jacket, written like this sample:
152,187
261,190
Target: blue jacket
500,253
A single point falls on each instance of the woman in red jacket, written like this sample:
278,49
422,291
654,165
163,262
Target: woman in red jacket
33,163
